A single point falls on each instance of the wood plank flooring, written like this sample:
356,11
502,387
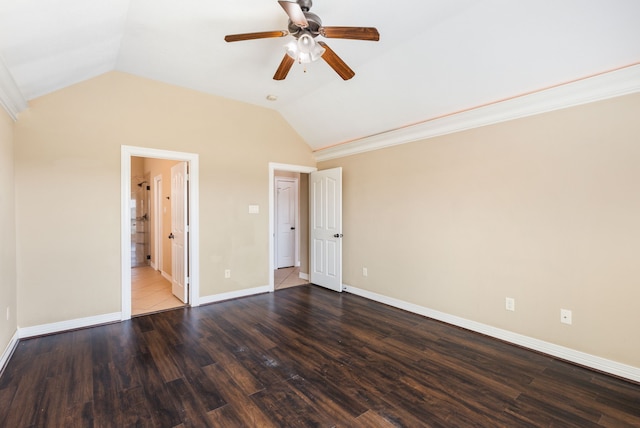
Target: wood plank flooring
299,357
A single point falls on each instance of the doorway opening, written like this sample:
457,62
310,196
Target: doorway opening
288,208
290,232
168,207
287,217
140,219
154,275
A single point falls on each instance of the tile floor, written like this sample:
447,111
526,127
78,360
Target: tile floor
151,292
288,277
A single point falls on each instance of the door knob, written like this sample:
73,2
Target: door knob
293,228
171,236
338,235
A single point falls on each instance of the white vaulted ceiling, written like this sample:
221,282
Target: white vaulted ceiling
434,57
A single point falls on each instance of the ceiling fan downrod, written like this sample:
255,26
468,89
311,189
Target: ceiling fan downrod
305,5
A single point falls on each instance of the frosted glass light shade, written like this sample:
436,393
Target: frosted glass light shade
305,49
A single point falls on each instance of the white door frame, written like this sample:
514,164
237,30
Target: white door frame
125,222
158,215
273,167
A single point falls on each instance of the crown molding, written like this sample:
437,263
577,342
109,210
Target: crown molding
611,84
10,96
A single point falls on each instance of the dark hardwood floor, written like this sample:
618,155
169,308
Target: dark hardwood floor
300,357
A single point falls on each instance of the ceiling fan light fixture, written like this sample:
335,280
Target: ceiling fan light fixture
304,27
305,49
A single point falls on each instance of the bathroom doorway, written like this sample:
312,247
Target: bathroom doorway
147,227
153,273
140,219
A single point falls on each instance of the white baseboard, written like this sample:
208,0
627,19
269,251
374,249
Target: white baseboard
568,354
304,276
597,363
11,346
57,327
61,326
233,294
166,276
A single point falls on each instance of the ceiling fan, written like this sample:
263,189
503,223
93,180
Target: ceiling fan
305,26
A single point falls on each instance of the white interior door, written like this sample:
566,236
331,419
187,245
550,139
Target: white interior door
325,210
286,204
179,228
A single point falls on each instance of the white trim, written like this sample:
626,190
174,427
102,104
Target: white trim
273,167
616,83
57,327
8,351
304,276
125,234
158,217
166,276
297,220
234,294
11,97
125,227
568,354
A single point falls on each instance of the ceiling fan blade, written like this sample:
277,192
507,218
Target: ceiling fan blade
252,36
353,33
296,15
283,68
338,65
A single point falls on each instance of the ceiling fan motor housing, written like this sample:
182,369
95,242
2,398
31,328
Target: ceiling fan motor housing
313,29
314,21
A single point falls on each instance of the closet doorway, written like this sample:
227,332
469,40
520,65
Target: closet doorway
289,225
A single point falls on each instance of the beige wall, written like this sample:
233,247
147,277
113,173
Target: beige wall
544,209
67,160
8,282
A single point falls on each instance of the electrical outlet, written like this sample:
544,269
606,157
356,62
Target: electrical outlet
565,316
227,273
510,304
365,272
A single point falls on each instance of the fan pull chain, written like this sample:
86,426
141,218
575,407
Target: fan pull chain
304,66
